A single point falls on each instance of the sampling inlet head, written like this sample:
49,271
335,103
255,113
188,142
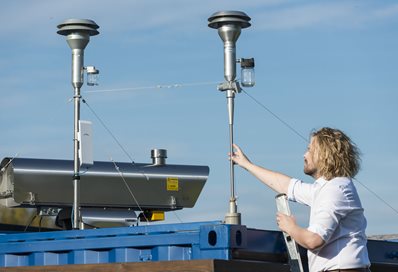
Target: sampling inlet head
229,25
78,32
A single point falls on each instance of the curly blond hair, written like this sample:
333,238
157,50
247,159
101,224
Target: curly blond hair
337,155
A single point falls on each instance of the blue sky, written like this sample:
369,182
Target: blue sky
318,63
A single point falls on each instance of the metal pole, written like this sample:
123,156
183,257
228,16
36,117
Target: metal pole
77,82
231,149
77,32
232,217
229,75
229,25
76,163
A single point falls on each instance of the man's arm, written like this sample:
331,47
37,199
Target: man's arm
307,239
276,181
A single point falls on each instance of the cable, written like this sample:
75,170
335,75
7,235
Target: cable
378,197
131,159
276,116
164,86
30,222
169,87
127,154
113,136
128,188
108,130
176,215
40,220
208,83
302,137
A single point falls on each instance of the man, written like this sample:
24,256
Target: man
335,237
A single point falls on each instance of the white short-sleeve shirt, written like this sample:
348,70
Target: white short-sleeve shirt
337,217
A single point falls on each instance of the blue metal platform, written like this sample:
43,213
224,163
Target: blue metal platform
185,241
166,242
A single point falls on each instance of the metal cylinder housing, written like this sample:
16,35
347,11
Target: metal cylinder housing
229,25
138,186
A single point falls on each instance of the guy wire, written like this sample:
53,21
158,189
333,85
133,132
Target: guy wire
276,116
376,195
30,222
159,86
131,159
178,218
250,96
129,189
117,167
108,130
302,137
113,136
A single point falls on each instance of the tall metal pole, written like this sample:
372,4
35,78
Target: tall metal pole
229,25
77,82
232,217
76,220
77,32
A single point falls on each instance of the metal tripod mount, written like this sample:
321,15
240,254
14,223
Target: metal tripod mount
229,25
77,32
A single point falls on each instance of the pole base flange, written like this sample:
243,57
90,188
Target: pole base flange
232,219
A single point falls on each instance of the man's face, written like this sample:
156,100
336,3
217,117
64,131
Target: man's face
310,160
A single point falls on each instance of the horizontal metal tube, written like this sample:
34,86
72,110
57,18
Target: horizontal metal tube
42,182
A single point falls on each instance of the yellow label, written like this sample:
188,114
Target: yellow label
172,184
157,216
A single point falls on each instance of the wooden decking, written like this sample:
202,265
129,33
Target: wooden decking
167,266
